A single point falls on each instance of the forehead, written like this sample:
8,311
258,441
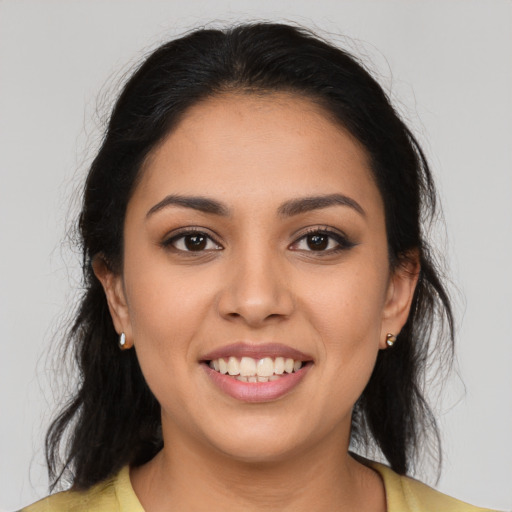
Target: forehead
266,146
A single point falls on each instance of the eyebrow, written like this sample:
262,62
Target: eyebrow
307,204
287,209
202,204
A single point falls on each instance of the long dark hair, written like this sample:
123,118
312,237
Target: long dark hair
113,419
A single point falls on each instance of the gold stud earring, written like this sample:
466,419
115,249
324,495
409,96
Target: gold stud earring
390,339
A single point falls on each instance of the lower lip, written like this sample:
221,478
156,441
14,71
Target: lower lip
257,391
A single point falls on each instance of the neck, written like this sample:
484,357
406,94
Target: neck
187,475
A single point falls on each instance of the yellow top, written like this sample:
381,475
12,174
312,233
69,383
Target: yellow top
116,494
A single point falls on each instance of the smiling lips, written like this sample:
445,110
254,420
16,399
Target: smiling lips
256,373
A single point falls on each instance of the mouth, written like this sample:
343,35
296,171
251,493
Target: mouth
256,373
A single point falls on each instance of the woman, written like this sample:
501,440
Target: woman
259,293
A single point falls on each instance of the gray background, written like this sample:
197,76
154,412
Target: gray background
447,66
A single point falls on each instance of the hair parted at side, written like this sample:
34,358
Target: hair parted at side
113,419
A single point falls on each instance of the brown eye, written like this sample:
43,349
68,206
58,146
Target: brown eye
322,241
195,242
317,242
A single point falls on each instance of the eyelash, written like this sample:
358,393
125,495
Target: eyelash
343,243
170,242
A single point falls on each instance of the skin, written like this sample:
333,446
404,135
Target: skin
257,281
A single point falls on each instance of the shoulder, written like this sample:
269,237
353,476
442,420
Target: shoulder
405,494
100,497
112,495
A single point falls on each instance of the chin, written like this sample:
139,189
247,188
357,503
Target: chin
261,442
259,453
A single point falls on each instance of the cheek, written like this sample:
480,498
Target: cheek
166,305
165,315
346,309
347,303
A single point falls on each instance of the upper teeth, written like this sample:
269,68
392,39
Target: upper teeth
249,367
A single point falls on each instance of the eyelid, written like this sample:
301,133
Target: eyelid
175,235
343,241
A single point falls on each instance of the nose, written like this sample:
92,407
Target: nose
255,291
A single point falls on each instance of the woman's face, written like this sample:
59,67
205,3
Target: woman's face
257,235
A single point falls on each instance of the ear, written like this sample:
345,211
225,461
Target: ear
402,285
116,298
